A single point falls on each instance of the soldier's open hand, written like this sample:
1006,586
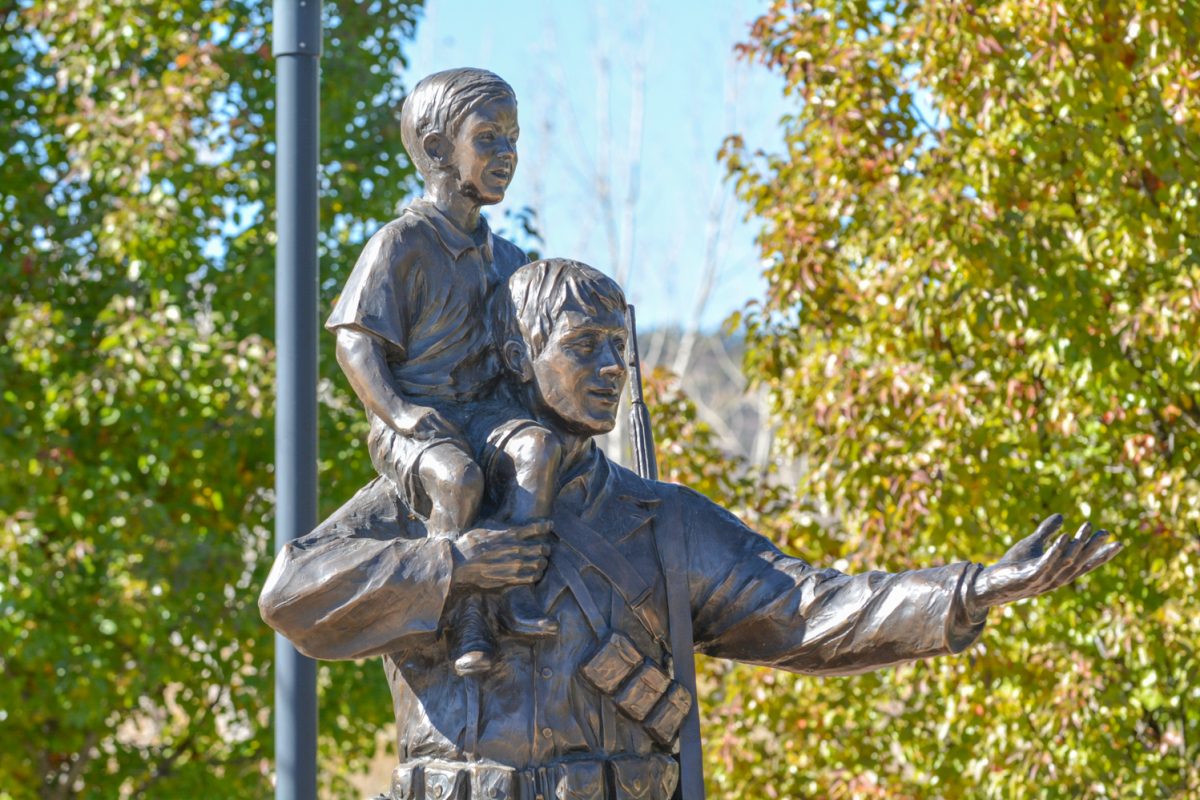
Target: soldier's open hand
1031,567
496,555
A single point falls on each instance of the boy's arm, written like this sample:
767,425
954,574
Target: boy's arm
361,356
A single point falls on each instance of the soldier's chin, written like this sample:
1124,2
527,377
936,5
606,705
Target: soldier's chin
594,426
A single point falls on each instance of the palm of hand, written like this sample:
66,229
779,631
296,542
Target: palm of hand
1031,567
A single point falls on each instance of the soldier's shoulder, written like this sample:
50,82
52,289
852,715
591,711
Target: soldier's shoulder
632,486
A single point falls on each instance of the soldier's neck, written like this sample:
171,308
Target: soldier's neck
575,450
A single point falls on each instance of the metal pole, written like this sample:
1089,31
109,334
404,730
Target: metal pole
297,50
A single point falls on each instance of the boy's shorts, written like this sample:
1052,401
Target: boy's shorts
486,424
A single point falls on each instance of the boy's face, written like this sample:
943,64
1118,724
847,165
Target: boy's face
485,151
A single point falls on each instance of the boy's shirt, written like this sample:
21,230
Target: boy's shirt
421,286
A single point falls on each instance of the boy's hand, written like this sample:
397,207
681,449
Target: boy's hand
427,423
495,556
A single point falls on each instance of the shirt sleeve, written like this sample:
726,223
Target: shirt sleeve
377,296
358,585
752,603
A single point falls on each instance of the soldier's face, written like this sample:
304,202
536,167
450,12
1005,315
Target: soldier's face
485,151
579,375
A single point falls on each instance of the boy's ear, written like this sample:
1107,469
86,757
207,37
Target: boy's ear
437,147
516,359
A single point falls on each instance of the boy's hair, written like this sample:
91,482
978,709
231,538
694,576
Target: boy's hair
440,102
525,309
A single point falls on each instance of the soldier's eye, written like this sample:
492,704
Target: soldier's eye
585,344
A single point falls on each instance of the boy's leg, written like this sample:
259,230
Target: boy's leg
529,473
453,482
528,467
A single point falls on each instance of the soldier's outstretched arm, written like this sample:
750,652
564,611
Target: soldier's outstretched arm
753,603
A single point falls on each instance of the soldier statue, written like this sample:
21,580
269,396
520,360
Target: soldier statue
537,606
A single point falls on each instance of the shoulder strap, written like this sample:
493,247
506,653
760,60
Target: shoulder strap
671,539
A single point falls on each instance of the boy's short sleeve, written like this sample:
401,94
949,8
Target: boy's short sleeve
375,298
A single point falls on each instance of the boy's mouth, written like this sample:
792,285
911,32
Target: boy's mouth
501,173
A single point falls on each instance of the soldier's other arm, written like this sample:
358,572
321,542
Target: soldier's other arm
360,585
752,603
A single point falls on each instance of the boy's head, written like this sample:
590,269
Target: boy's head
461,124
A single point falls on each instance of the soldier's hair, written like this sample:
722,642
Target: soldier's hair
525,309
440,102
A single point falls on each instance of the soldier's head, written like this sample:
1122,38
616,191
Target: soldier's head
562,337
460,130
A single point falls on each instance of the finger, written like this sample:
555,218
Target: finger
509,574
1083,556
533,530
1049,565
515,554
1060,571
1097,558
1044,531
1094,543
1033,545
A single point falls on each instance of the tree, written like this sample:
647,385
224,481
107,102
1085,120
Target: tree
136,260
982,307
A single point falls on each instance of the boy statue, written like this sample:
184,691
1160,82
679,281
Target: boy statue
413,339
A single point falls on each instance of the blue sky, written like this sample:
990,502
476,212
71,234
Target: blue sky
559,57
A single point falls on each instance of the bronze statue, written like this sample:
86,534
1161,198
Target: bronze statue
628,576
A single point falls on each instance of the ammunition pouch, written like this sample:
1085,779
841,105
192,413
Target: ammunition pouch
639,687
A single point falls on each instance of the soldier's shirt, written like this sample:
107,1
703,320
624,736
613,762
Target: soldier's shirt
367,582
421,287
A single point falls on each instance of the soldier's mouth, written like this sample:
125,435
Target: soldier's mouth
610,396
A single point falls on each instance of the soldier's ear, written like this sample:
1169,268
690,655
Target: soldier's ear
437,147
516,359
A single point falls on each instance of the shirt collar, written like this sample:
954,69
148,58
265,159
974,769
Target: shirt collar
588,487
455,240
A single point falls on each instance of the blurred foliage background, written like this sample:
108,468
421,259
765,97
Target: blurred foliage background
983,303
136,266
983,307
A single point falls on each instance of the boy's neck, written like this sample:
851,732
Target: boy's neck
461,210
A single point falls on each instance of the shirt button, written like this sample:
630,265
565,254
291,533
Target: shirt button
547,732
547,672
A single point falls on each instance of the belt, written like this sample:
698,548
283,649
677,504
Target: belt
651,777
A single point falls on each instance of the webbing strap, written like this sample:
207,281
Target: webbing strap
671,539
